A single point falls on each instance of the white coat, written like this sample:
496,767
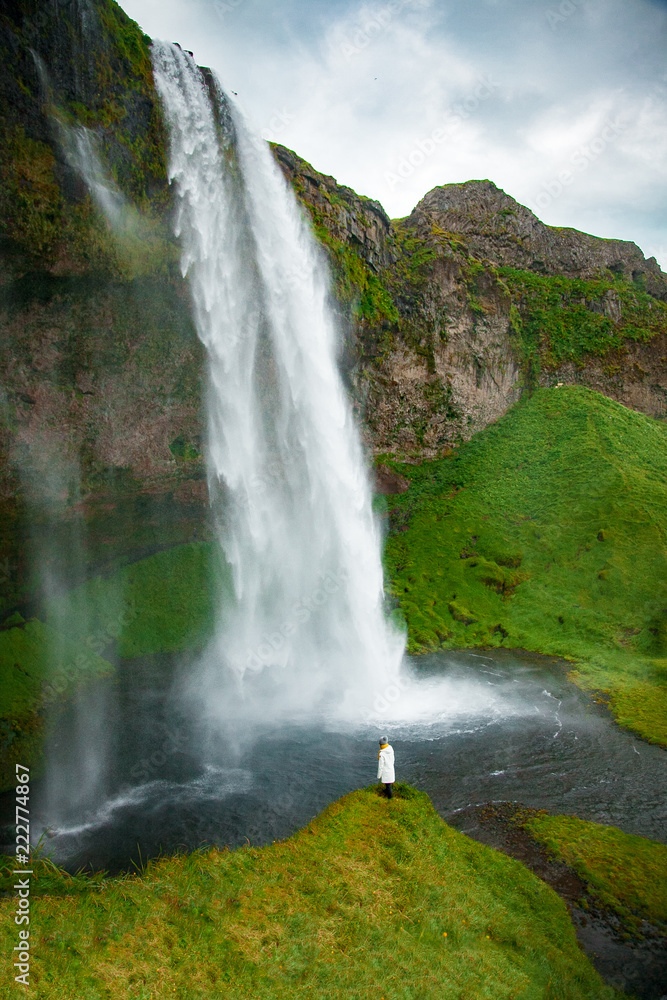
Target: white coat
386,765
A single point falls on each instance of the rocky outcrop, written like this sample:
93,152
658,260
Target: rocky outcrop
344,215
636,376
470,316
495,227
451,367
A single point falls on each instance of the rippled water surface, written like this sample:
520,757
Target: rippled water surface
502,727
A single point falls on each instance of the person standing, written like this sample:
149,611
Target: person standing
386,766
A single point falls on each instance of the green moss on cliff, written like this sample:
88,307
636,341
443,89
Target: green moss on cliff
549,530
560,319
113,95
356,284
31,205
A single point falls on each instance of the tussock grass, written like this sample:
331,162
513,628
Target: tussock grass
548,532
372,898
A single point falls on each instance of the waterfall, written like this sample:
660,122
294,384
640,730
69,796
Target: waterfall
304,629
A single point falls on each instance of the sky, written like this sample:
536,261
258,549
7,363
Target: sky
562,104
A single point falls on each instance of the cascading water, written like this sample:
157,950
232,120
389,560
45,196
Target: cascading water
305,625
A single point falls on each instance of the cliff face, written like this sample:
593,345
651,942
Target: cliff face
496,227
447,315
458,308
101,401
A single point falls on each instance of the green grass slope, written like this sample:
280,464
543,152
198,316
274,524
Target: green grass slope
372,898
161,604
627,874
548,532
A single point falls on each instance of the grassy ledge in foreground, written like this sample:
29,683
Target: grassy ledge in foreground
372,898
548,532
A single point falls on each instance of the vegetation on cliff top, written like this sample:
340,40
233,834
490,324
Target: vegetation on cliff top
372,898
547,531
44,220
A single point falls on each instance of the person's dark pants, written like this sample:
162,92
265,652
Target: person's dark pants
387,790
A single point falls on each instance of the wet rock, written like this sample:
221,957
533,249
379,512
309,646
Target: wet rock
390,483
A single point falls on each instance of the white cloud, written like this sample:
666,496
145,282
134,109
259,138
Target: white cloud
355,88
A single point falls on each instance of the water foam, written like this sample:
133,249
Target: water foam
305,630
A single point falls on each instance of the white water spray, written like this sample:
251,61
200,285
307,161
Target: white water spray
286,469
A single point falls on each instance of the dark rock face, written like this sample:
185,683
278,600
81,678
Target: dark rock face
496,227
360,222
635,376
103,369
389,483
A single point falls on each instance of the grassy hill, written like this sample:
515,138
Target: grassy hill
372,898
548,532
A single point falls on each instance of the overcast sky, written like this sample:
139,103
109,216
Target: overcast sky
563,104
